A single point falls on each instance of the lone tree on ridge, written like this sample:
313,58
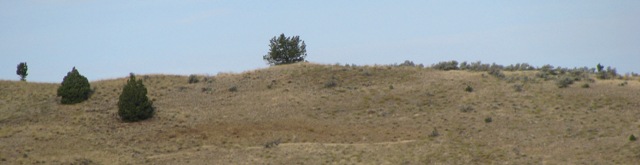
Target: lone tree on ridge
286,50
22,71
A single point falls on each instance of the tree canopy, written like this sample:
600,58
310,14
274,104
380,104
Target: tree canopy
22,71
286,50
75,88
134,105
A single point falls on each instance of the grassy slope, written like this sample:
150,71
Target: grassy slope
362,120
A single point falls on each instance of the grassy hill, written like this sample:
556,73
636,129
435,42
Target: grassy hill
328,114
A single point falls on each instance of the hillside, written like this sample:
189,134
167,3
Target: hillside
373,115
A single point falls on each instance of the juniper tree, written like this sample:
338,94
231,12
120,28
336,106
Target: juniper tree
286,50
22,71
599,67
75,88
134,105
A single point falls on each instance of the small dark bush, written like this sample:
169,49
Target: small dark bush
75,88
468,89
599,67
193,79
408,63
488,120
585,85
22,71
632,138
233,89
446,65
564,82
134,105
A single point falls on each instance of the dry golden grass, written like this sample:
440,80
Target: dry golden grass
374,115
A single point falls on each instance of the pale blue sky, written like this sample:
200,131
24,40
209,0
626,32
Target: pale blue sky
109,39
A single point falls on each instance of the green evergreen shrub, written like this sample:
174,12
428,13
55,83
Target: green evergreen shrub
75,88
599,67
22,71
286,50
468,89
134,105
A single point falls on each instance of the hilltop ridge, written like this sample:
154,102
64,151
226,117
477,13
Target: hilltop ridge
324,114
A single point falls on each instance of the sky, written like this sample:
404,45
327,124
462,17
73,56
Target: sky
110,39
